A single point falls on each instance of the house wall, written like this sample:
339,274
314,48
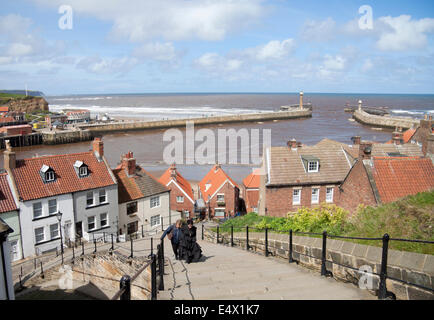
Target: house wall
231,200
5,252
250,206
356,189
279,200
175,192
82,211
145,212
28,225
12,220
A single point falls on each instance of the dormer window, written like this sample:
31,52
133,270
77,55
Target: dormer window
81,169
311,163
47,173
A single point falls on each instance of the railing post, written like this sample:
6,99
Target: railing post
125,283
162,224
82,248
73,255
232,236
218,229
291,260
202,231
94,242
103,234
132,255
42,271
247,238
143,234
160,268
152,246
266,242
153,277
113,247
324,271
382,292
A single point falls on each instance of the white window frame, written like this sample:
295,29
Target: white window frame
36,235
94,223
315,200
180,199
42,212
87,199
52,213
154,202
106,219
294,197
51,231
153,221
82,171
104,195
315,166
49,176
328,194
221,195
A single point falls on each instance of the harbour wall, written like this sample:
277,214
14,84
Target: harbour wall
162,124
61,137
384,121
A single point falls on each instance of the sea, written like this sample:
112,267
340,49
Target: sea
329,120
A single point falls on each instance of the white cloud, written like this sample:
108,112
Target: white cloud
19,49
138,20
14,25
404,33
319,30
156,51
98,65
336,63
275,49
367,65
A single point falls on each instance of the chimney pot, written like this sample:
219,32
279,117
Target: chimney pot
356,140
129,163
98,147
10,157
292,144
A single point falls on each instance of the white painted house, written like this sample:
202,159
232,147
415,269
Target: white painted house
6,283
50,188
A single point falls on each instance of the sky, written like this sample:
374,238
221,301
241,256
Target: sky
147,46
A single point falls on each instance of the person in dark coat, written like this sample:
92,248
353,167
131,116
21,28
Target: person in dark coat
190,249
176,235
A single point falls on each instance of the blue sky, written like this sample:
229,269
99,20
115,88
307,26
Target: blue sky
140,46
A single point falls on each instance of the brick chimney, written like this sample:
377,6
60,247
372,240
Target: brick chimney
365,149
292,144
398,136
429,150
10,157
173,171
98,147
360,105
129,163
301,99
356,140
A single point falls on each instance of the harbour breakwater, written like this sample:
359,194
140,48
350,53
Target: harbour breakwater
384,121
163,124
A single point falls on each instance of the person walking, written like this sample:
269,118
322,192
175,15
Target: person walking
174,235
190,249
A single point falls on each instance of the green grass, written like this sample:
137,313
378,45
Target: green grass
408,218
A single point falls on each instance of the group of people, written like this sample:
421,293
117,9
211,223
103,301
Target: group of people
183,239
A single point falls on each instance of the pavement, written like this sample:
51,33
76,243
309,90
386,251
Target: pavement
226,273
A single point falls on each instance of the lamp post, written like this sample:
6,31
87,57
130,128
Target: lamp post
59,218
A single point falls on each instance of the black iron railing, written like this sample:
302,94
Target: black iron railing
382,289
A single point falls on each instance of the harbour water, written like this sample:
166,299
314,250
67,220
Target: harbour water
328,121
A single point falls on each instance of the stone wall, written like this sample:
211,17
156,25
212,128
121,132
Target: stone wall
162,124
60,137
405,266
384,121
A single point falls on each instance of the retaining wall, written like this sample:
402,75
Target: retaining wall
60,137
406,266
384,121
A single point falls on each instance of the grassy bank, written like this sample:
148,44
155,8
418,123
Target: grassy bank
408,218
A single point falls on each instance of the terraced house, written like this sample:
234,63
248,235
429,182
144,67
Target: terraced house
68,196
143,201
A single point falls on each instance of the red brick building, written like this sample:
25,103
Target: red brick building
22,129
299,176
220,193
385,179
181,193
251,191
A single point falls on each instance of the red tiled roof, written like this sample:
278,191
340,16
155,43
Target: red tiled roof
399,177
4,109
140,185
31,186
406,136
252,180
215,178
7,119
7,202
180,180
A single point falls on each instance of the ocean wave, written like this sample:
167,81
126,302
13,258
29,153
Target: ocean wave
81,99
414,112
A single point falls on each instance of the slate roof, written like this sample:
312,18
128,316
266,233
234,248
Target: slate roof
7,202
408,149
399,177
166,177
285,166
216,177
31,186
140,185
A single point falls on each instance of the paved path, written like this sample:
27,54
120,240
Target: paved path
226,273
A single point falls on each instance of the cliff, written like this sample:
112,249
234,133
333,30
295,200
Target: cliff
27,104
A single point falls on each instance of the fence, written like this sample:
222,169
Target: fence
382,292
